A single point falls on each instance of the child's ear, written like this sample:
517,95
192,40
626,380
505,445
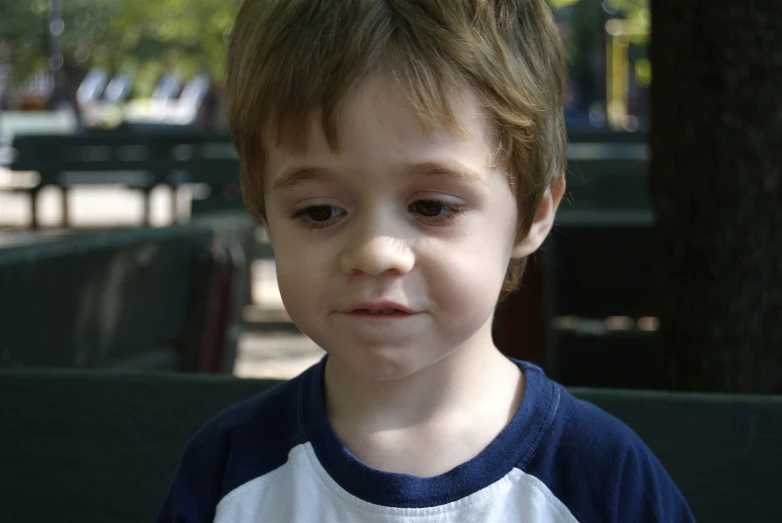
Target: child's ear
543,221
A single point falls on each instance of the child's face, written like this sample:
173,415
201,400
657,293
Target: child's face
420,220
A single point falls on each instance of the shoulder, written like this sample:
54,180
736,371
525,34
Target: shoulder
254,436
271,405
244,442
602,470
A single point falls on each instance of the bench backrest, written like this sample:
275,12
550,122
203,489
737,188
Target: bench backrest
602,262
156,158
108,299
608,171
723,451
102,447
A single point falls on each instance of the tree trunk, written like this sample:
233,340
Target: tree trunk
716,183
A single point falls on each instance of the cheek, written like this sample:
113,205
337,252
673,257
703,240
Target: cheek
294,267
470,282
298,281
300,271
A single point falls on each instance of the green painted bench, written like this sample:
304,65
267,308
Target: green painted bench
128,298
101,447
607,171
138,160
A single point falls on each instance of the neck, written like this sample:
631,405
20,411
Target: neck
468,381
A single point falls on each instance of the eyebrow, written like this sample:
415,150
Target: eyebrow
298,176
446,170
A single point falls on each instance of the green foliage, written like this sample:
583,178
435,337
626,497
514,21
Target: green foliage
586,20
558,4
22,31
143,37
635,12
638,18
628,7
148,37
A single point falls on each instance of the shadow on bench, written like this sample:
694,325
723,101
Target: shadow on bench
102,447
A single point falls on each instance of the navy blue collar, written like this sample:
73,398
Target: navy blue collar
513,447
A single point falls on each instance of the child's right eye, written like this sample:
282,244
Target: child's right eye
317,216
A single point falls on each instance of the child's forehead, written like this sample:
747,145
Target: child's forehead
374,111
380,140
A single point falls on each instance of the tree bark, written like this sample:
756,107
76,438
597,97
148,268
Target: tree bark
716,184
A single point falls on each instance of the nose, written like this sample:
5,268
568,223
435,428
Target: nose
375,253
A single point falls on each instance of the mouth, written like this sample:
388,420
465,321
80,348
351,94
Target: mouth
379,312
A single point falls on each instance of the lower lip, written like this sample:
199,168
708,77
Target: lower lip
395,316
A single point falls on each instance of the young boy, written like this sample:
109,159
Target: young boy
406,156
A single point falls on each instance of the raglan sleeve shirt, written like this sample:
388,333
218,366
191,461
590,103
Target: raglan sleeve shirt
274,458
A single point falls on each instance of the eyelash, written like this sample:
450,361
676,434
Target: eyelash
453,210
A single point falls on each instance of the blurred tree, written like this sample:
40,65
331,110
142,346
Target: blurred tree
23,37
586,35
636,12
586,45
143,37
716,176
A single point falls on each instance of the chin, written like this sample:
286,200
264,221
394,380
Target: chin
381,364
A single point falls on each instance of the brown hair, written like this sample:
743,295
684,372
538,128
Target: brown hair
289,58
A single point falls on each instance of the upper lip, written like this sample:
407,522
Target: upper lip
379,305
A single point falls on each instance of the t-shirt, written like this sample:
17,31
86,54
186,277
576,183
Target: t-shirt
274,458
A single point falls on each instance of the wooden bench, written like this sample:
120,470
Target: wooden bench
129,298
138,160
101,447
607,171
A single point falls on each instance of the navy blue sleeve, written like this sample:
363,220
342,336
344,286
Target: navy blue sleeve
195,489
602,470
243,442
646,492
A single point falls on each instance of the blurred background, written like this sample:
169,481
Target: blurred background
114,146
114,149
103,63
